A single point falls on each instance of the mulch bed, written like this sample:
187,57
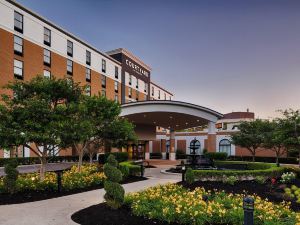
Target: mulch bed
274,194
31,196
101,214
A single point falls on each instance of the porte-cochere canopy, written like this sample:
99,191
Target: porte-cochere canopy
173,115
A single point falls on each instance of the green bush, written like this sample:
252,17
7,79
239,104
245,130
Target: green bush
216,155
260,179
134,170
119,156
114,195
124,170
230,180
10,180
155,155
262,169
189,175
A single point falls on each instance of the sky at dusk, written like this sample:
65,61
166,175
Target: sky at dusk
228,55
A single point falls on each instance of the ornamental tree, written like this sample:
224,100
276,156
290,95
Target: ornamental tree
250,135
274,138
291,129
34,116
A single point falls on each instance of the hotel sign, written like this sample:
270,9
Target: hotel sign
136,68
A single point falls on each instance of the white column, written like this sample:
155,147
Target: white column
172,154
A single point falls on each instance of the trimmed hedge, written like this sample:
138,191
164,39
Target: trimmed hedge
133,169
155,155
216,155
35,160
120,157
286,160
253,170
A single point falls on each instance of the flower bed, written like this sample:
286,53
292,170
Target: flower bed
173,203
71,179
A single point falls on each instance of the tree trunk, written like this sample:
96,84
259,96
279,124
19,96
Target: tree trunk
43,167
91,158
277,159
80,157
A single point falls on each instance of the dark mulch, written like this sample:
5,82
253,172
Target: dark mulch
101,214
274,194
31,196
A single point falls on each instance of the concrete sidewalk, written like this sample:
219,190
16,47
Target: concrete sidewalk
58,211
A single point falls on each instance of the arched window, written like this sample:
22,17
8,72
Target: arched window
225,146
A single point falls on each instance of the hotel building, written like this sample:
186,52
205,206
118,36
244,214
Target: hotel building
30,45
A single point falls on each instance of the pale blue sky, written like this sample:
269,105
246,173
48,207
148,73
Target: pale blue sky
228,55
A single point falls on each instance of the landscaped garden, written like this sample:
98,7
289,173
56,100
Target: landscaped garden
210,197
19,188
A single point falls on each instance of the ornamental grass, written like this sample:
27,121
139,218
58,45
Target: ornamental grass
174,203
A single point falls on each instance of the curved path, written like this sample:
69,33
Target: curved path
58,211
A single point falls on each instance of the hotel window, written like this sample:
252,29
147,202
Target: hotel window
158,94
18,45
88,74
18,69
88,57
165,96
152,91
70,48
117,98
47,57
103,81
137,83
170,98
225,146
137,95
103,93
47,36
129,92
130,79
116,86
47,74
103,66
18,22
116,72
146,87
88,90
69,66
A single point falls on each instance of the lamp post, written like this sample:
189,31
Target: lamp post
59,179
248,206
183,169
142,169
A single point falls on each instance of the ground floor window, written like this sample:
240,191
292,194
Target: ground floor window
225,146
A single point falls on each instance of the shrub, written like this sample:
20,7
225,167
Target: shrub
71,179
174,204
134,170
124,170
261,169
114,195
155,155
119,156
287,177
285,160
260,179
180,154
216,155
10,180
230,180
293,193
190,177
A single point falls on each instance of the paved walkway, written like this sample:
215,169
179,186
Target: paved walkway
58,211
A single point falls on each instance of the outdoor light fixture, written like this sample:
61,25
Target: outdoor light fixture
248,206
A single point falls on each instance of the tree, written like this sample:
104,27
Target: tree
34,116
291,129
274,138
250,135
